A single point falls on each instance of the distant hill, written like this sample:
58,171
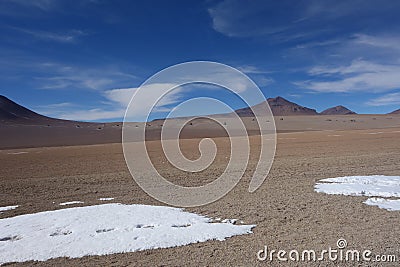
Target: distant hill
338,110
280,107
11,111
21,127
395,112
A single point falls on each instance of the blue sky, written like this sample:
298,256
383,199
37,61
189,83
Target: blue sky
81,59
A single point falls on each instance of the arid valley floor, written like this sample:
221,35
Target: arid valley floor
286,210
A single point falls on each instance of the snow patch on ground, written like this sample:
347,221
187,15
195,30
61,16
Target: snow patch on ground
8,208
376,133
106,198
374,186
388,204
371,186
105,229
71,203
17,153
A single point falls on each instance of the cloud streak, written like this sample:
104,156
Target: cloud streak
60,76
385,42
360,75
123,96
288,20
115,105
67,36
44,5
385,100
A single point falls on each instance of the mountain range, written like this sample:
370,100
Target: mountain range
13,112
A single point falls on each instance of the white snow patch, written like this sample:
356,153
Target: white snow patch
231,221
376,133
371,186
17,153
106,198
105,229
8,208
71,203
388,204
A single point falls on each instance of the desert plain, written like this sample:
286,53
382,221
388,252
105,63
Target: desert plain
286,210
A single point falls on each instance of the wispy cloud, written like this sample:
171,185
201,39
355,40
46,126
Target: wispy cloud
239,19
257,74
376,74
60,76
249,69
287,20
92,114
36,72
56,105
124,95
40,4
12,6
358,76
316,44
68,36
29,9
116,103
385,100
74,81
356,67
385,42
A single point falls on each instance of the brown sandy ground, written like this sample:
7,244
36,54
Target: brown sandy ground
287,211
67,133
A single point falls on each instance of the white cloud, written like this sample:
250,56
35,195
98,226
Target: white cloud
316,44
235,19
290,20
123,97
92,114
57,105
60,76
248,69
68,36
356,66
387,42
360,75
385,100
118,100
21,7
41,4
78,80
38,73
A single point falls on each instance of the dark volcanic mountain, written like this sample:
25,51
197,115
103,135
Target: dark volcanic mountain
11,111
21,127
338,110
395,112
280,107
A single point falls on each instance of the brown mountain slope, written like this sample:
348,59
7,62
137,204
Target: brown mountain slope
395,112
15,113
280,107
338,110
